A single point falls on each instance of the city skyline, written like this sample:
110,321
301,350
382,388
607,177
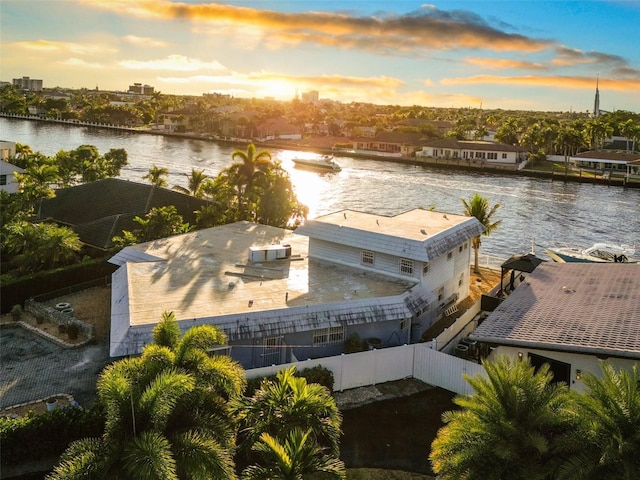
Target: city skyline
497,54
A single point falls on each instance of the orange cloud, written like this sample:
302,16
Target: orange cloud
621,85
427,27
65,47
331,80
503,63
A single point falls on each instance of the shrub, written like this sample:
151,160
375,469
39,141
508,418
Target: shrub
38,436
353,344
320,375
16,312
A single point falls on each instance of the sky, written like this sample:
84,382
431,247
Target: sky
508,54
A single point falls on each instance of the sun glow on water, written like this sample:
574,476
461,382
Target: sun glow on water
310,187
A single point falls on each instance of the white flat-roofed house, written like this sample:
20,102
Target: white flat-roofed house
473,151
281,296
571,316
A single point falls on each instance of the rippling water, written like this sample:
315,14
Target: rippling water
533,210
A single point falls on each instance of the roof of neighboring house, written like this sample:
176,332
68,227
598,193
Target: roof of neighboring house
417,234
205,276
278,125
574,307
402,138
481,145
98,211
627,157
7,168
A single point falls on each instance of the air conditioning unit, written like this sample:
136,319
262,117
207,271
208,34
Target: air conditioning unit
269,253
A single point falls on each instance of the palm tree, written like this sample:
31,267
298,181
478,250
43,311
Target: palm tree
157,176
285,403
292,459
40,246
166,413
478,207
195,181
252,165
607,440
513,426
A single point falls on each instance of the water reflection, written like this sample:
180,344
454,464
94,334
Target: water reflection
533,209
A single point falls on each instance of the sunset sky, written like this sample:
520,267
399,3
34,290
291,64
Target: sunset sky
529,55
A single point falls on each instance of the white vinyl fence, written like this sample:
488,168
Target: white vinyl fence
372,367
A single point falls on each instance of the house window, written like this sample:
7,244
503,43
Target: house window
440,293
460,248
367,257
449,255
403,324
425,269
3,179
406,266
461,279
504,155
328,336
465,246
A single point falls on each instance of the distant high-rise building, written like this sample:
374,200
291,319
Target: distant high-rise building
140,89
311,96
26,83
596,103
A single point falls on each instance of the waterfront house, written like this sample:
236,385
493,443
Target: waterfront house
283,296
278,129
627,163
570,316
481,152
399,144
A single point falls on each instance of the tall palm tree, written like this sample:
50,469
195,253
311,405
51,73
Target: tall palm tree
157,176
511,427
478,207
252,164
608,437
292,459
285,403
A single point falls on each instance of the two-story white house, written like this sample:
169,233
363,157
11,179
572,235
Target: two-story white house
282,296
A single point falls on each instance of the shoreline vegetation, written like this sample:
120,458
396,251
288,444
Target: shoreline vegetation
554,171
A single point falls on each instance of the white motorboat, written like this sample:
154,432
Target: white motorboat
325,163
597,253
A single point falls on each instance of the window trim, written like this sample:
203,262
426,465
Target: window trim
328,336
406,266
367,257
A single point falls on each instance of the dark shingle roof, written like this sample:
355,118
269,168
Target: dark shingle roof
587,308
98,211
